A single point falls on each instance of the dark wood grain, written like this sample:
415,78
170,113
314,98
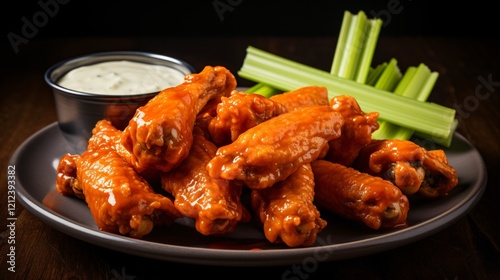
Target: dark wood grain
467,249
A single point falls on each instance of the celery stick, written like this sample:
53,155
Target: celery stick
420,86
287,75
405,81
375,73
359,33
390,77
441,141
417,83
341,43
354,47
262,89
364,64
388,80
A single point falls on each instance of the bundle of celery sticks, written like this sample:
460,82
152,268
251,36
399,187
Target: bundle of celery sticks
400,97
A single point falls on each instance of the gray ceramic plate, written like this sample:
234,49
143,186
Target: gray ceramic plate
36,159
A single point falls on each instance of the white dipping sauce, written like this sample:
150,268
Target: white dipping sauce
121,78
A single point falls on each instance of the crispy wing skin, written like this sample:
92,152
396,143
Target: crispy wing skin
409,166
214,204
160,134
356,131
440,176
398,161
66,180
239,112
119,199
286,209
273,150
302,97
358,196
106,135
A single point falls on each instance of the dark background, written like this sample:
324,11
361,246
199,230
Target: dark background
246,17
29,26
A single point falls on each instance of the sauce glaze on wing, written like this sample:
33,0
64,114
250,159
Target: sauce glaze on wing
356,131
239,112
409,166
159,135
214,204
273,150
286,210
359,196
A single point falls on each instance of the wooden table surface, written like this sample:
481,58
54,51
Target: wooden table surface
469,79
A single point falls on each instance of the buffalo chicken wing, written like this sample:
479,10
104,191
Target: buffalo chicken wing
302,97
208,152
214,204
160,134
409,166
286,209
356,131
273,150
358,196
239,112
67,180
120,200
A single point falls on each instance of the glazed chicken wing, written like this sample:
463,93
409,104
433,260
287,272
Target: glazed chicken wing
286,209
302,97
107,135
66,180
356,131
273,150
440,176
160,134
358,196
104,135
409,166
239,112
119,199
214,204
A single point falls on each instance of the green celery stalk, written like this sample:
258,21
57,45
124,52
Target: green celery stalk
374,27
356,46
388,80
417,83
359,33
375,73
262,89
438,140
284,74
390,77
341,43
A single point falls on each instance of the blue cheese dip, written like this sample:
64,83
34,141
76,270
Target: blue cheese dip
121,78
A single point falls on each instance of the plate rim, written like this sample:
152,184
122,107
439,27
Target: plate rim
236,257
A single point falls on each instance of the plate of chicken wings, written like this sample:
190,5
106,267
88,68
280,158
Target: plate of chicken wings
208,174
